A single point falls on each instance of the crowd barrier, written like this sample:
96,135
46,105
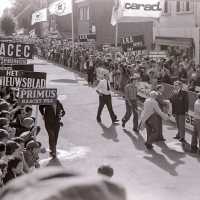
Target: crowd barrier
144,89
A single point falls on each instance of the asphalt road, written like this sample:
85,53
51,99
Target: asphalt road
167,172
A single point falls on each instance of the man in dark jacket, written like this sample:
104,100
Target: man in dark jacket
180,107
52,115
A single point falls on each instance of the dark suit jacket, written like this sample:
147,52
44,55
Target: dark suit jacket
180,103
52,114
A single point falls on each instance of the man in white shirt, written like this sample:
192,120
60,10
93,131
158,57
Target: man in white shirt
196,132
104,91
150,107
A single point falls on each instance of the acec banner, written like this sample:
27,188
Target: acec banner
136,10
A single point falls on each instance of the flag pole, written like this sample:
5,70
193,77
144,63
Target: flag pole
73,45
116,34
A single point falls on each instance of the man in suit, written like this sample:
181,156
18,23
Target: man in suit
180,106
104,92
52,115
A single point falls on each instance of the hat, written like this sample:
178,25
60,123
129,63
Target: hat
56,183
27,122
32,144
3,134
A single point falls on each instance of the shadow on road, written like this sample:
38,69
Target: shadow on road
137,141
161,161
54,162
110,133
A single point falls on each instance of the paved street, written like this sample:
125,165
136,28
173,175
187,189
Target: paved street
162,174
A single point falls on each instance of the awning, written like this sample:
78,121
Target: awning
172,41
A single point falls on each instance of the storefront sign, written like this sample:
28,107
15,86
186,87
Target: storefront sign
16,50
28,67
22,79
44,96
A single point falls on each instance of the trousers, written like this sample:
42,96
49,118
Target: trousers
106,100
131,109
180,122
196,134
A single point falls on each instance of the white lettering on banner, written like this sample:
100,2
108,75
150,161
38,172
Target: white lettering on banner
10,49
2,50
27,51
18,50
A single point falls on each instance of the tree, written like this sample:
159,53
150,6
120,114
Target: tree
8,25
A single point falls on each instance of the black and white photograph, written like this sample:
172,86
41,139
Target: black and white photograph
99,99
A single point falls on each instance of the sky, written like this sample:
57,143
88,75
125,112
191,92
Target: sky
4,4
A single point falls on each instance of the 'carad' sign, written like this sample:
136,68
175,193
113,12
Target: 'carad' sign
44,96
22,79
16,50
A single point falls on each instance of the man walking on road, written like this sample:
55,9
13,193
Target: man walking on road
103,89
180,106
130,93
52,115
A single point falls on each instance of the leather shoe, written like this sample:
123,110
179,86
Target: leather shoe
123,124
115,121
182,140
149,146
177,137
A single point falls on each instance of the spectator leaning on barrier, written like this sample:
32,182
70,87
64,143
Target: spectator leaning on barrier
180,106
195,142
150,108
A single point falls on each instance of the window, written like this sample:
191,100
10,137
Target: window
166,7
81,14
178,6
84,13
187,6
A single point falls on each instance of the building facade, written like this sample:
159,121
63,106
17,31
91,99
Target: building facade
94,21
178,27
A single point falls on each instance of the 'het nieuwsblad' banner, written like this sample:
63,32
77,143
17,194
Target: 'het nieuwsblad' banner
46,96
16,50
28,67
22,79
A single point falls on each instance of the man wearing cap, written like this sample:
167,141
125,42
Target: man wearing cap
180,106
195,142
150,108
104,91
130,93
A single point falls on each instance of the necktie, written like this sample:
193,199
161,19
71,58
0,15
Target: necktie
108,87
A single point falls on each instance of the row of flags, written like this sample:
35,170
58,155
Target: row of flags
136,10
59,8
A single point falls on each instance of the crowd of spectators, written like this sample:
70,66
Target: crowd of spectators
121,64
19,148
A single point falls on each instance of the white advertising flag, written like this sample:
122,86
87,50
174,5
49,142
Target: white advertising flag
39,16
60,8
137,10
